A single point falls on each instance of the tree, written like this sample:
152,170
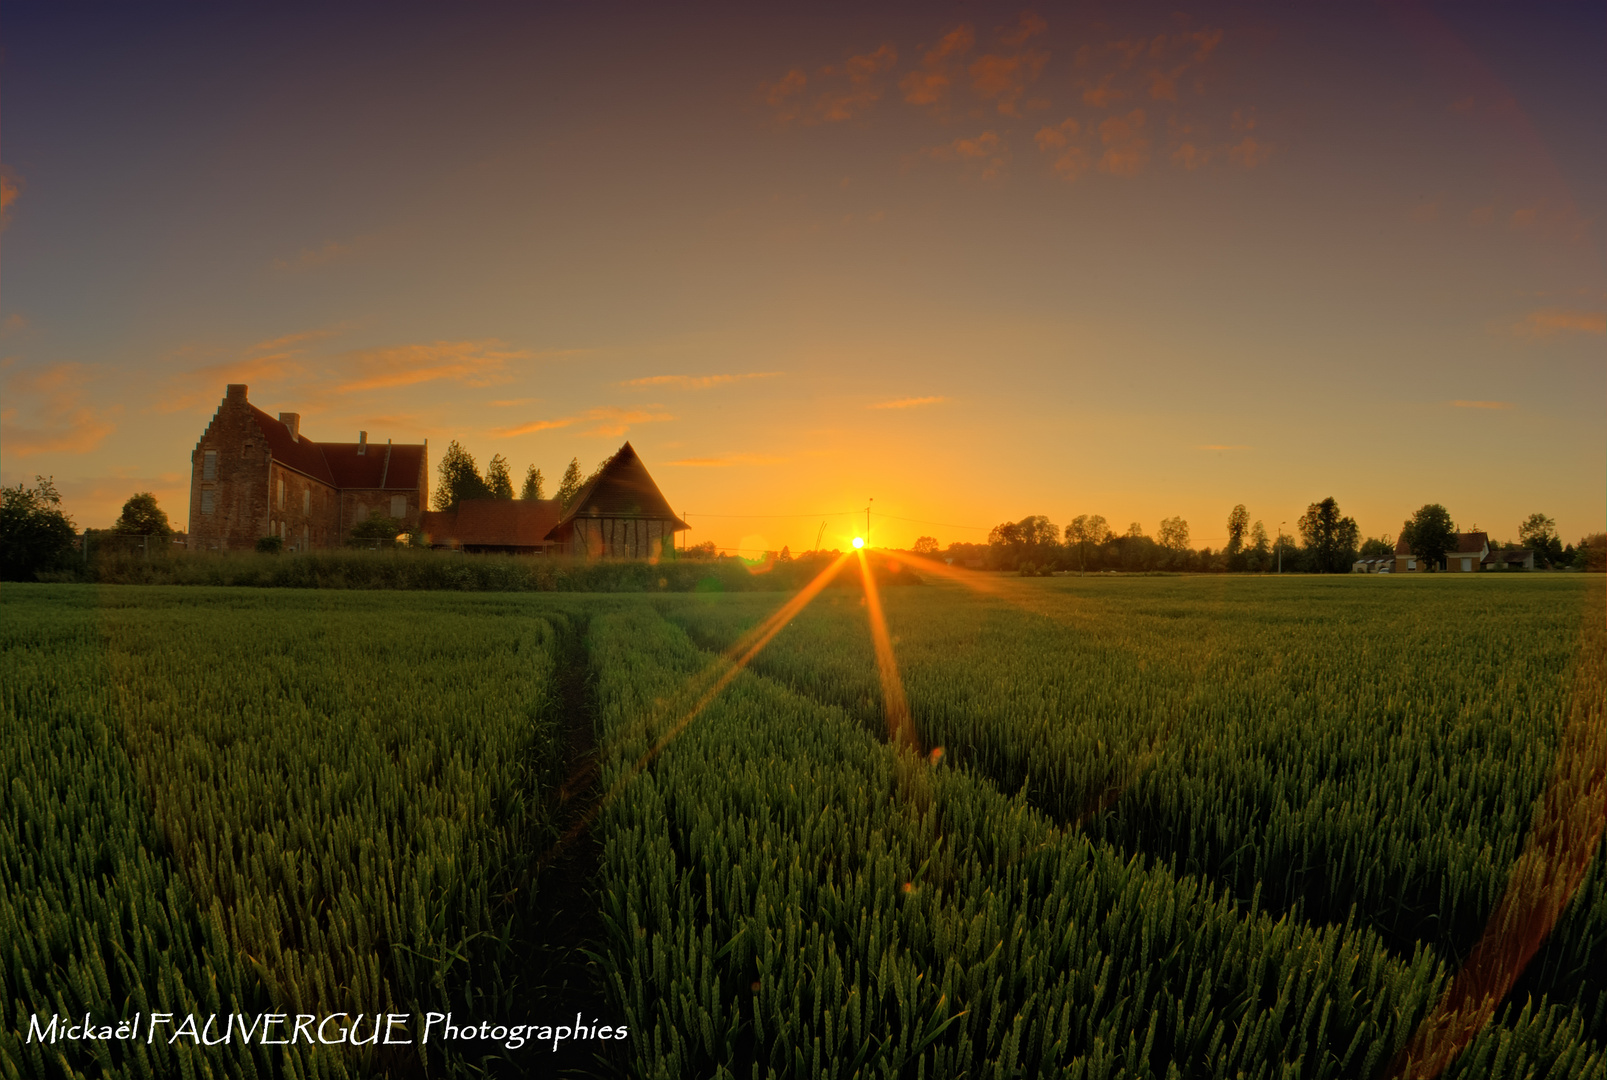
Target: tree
1238,522
786,554
1591,554
35,536
570,485
142,517
497,480
1086,529
925,545
1430,534
1174,535
378,527
533,484
1540,533
1028,545
1377,547
459,479
1260,549
1330,538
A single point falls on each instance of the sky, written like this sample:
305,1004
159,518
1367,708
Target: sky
956,263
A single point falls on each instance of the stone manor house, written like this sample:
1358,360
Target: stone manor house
253,476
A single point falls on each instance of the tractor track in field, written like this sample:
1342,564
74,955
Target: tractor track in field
565,981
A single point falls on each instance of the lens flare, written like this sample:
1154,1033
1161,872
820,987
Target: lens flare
899,731
1562,840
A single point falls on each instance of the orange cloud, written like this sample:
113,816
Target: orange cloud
1250,152
1071,161
907,403
1126,146
311,258
846,90
1030,25
1552,322
10,191
929,83
474,363
1190,157
1102,96
697,382
52,415
15,323
610,420
986,150
1003,79
1482,404
727,461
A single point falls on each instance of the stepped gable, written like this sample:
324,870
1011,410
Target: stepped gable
622,488
303,455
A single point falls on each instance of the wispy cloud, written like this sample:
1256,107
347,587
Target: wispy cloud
311,258
842,91
609,420
986,151
1552,322
10,191
46,412
727,461
473,363
1126,145
907,403
929,83
697,382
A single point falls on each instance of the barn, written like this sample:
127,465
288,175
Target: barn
618,514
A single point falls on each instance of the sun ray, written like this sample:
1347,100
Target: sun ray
899,731
736,658
1562,841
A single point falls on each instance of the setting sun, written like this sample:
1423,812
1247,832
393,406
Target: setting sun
859,542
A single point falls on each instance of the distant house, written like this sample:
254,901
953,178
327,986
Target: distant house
1510,559
1373,566
252,475
1466,557
619,514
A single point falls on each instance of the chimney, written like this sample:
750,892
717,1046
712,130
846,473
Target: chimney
362,443
235,392
293,422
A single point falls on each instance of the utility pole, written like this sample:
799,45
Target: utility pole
867,519
1281,524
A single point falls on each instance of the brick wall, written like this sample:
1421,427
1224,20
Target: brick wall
238,489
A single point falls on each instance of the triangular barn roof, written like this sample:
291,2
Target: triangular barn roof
622,488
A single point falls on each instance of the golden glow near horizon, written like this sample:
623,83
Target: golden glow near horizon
1042,279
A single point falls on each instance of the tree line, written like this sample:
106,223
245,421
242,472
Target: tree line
1325,541
459,478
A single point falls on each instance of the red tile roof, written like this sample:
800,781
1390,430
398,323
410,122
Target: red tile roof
339,464
1471,543
515,523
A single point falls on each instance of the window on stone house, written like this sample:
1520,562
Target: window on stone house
306,501
209,465
208,501
281,494
398,506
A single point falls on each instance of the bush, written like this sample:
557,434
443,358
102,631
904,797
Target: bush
35,536
270,545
